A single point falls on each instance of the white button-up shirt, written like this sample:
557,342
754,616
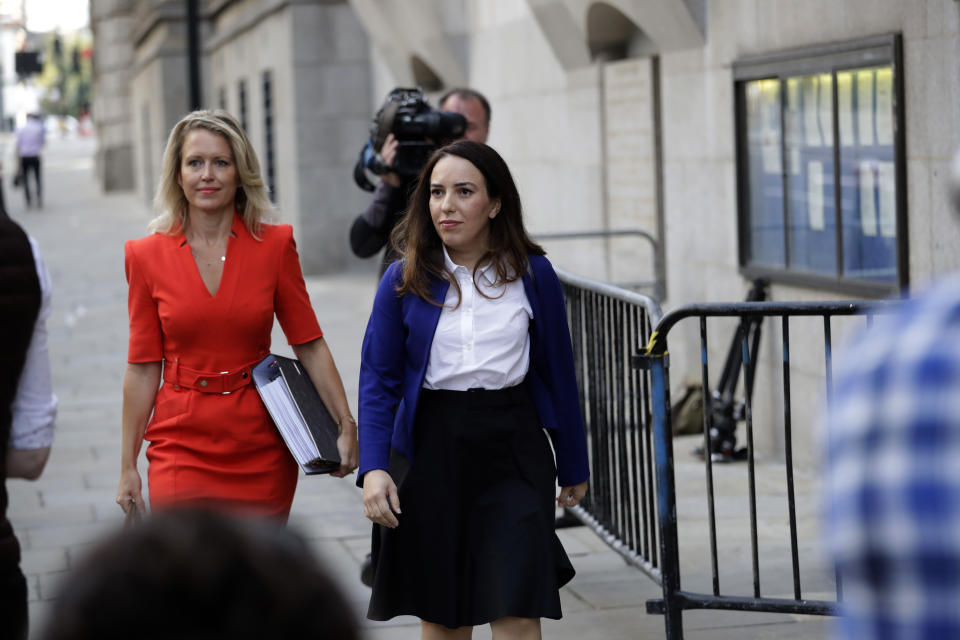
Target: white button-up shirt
35,406
484,342
30,138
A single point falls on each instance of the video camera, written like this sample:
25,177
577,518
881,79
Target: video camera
418,128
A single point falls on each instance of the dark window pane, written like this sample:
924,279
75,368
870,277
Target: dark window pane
832,211
269,133
242,100
868,177
762,100
808,121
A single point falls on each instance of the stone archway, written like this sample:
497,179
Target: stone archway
424,75
412,41
612,36
623,39
577,29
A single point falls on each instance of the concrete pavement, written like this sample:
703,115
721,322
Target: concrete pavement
58,517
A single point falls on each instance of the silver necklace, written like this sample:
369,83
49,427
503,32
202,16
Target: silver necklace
209,262
197,257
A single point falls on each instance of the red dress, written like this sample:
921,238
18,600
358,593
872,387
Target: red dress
213,447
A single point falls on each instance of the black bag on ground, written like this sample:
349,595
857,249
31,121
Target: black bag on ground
687,412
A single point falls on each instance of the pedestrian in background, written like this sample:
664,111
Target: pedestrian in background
466,359
204,289
28,406
196,574
30,140
893,470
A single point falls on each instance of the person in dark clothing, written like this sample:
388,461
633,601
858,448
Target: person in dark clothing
466,367
370,231
30,140
201,574
21,298
3,201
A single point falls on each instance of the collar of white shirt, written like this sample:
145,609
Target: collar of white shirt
462,273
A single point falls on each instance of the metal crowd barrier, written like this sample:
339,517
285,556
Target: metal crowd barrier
608,325
657,286
653,360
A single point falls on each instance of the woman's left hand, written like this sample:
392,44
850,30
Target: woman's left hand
316,358
571,496
347,446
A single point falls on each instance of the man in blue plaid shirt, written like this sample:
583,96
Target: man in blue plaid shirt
893,470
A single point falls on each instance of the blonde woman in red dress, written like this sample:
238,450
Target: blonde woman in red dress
205,286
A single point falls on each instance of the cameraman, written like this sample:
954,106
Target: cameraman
371,230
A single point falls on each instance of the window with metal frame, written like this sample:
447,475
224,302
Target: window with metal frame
269,135
820,166
242,102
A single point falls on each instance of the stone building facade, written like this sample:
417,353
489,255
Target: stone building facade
802,141
295,72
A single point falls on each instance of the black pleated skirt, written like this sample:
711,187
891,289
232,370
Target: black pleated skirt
476,539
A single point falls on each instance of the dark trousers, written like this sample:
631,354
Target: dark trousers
28,164
13,605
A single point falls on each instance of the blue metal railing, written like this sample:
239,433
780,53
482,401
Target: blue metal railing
655,359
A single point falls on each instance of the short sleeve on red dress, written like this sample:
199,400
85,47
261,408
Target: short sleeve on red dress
292,303
146,340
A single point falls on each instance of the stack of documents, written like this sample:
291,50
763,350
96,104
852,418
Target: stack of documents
302,419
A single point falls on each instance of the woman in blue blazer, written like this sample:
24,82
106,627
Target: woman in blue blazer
466,362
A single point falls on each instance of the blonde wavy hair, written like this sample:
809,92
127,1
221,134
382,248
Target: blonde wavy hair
170,204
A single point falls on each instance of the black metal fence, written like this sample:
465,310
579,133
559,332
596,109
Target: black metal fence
655,361
623,366
608,326
656,286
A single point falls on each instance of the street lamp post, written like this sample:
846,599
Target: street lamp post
193,54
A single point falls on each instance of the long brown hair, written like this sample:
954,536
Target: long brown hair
416,239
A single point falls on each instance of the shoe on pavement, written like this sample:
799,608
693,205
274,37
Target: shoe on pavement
366,571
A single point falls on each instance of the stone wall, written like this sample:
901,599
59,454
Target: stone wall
700,174
317,57
159,90
111,22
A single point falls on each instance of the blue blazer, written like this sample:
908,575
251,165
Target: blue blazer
396,347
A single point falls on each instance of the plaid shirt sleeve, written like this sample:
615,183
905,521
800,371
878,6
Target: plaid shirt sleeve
892,498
